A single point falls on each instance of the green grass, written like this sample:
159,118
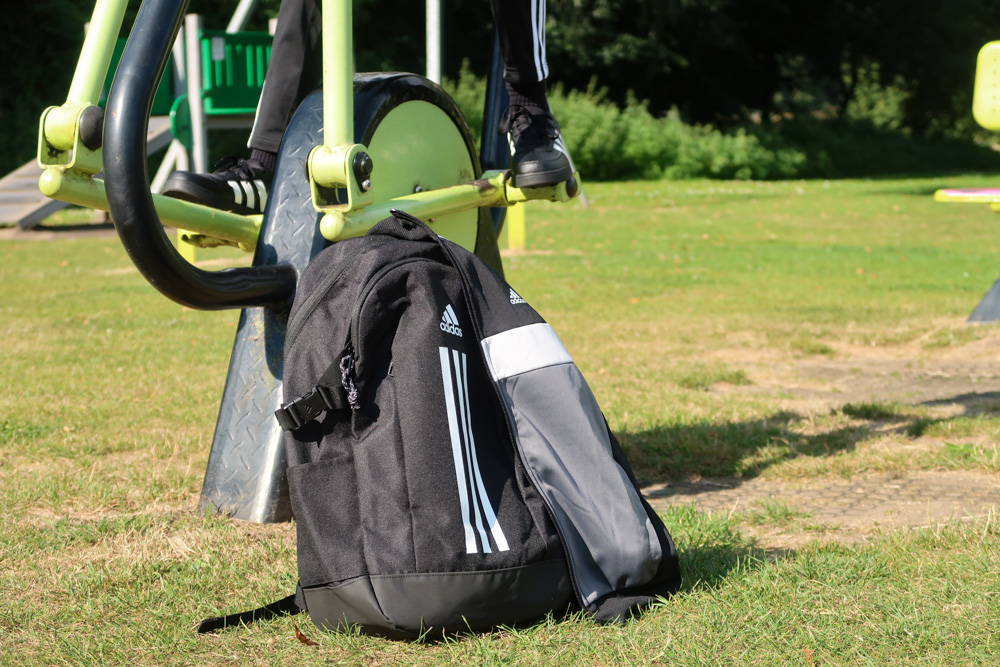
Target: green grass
662,292
700,377
774,513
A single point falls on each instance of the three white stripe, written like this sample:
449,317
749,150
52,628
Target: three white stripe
246,193
538,11
473,500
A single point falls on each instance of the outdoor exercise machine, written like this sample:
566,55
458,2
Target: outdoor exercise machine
986,111
364,145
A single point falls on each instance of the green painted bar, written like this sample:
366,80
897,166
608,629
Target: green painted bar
78,189
338,73
487,191
95,57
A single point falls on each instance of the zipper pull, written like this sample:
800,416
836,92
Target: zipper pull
347,378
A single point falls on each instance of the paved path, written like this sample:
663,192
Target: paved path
852,508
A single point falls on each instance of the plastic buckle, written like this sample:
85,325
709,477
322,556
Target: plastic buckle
296,414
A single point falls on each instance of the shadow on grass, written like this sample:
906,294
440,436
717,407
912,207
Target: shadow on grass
986,403
921,191
711,548
722,455
732,449
711,566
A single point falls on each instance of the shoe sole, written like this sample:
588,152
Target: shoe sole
194,193
543,178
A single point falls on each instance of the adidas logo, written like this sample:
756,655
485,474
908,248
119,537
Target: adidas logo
449,322
514,298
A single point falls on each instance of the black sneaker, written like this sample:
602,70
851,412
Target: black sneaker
538,155
236,185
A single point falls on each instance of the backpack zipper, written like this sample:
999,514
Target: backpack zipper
317,296
355,323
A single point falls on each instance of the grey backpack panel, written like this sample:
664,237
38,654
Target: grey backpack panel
620,555
563,438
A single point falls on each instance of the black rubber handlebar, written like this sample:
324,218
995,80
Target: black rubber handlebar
127,181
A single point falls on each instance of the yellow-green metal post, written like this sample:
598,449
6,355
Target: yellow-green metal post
338,73
95,57
515,229
59,124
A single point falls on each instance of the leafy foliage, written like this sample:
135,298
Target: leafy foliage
889,73
609,143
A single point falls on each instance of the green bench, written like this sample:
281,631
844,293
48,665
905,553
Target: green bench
218,89
225,76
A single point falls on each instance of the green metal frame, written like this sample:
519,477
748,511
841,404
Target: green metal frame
330,164
70,167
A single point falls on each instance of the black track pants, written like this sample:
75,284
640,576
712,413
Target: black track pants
296,65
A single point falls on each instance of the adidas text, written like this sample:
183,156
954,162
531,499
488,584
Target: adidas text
449,322
451,328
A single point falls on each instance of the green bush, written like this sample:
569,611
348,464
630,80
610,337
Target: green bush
609,143
841,148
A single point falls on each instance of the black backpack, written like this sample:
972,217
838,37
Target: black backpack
448,466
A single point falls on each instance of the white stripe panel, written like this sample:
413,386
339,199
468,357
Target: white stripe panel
541,32
237,192
256,115
536,38
524,349
261,193
491,517
463,409
251,195
456,450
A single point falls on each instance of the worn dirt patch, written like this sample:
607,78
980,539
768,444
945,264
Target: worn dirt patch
912,373
843,509
956,380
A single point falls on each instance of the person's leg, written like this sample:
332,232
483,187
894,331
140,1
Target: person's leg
294,70
521,29
538,155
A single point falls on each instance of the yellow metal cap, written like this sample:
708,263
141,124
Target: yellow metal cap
986,95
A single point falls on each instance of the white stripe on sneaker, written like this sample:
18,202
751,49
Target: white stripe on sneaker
251,194
238,195
261,193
